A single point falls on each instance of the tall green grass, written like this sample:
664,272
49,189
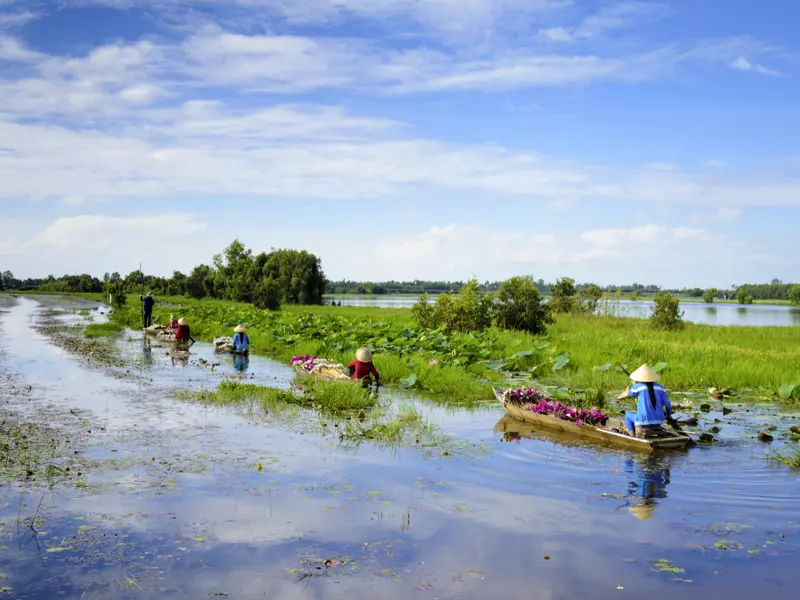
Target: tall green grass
97,330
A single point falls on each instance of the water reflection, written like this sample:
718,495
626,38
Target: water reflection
147,351
648,484
241,362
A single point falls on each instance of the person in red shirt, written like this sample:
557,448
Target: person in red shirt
183,333
173,322
362,369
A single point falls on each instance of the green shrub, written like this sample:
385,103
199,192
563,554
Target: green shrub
470,310
562,296
590,297
743,296
519,306
666,313
709,295
267,295
118,297
794,294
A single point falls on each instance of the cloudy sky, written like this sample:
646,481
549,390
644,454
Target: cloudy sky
612,141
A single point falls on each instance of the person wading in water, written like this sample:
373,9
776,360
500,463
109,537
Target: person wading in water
147,309
653,407
362,369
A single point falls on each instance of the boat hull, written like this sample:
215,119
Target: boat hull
671,441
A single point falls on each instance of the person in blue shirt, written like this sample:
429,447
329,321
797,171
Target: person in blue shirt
147,309
241,343
653,407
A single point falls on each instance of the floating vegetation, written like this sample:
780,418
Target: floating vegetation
790,458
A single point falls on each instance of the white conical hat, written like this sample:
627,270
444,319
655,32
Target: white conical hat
240,329
644,374
364,355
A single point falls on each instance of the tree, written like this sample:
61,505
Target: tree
666,313
298,274
591,296
116,291
695,293
519,305
743,296
470,310
195,281
267,295
709,295
794,294
635,295
562,296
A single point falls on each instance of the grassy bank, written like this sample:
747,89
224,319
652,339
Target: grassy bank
577,352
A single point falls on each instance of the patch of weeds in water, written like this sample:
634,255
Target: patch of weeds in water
99,330
330,396
789,458
35,453
390,429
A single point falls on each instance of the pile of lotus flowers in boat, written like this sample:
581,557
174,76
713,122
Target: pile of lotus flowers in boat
314,365
307,362
535,401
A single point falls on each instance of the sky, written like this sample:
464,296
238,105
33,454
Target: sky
609,141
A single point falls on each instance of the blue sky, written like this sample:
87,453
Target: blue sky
608,141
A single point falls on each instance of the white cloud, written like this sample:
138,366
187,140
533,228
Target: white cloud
742,64
556,34
102,231
621,15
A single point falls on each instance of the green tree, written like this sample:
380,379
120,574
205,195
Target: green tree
519,305
794,294
562,296
116,291
635,295
298,274
470,310
709,295
424,313
195,282
666,313
591,296
267,295
695,293
743,296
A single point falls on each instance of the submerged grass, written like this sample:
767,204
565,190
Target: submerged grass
331,396
97,330
791,458
578,352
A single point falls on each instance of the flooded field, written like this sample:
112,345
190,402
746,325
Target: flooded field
111,486
755,315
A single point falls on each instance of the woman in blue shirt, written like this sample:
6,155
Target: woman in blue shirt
241,343
653,407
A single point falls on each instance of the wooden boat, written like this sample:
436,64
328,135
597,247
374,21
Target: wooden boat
661,439
163,333
328,372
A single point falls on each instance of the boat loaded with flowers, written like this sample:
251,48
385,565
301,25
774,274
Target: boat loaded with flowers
319,367
531,405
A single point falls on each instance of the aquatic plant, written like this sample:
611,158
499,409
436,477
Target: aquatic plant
790,458
96,330
535,401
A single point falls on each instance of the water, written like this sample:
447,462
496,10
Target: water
174,506
756,315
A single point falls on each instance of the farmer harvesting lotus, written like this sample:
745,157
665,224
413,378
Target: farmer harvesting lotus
362,368
653,407
241,343
183,333
147,309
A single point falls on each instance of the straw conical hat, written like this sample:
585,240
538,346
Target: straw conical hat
364,355
642,512
644,374
240,329
183,321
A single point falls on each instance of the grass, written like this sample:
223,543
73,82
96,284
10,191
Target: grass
758,359
400,427
791,458
330,396
98,330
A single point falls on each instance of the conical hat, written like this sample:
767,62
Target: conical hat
364,355
642,512
644,374
183,321
240,329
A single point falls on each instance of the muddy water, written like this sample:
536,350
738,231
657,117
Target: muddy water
170,502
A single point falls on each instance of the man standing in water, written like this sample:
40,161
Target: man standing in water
147,309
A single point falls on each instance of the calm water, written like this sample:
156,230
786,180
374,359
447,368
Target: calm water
757,315
173,505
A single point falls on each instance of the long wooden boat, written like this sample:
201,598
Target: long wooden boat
666,440
323,372
162,333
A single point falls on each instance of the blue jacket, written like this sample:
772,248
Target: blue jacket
646,413
241,342
148,303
